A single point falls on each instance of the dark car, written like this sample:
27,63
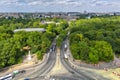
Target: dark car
54,47
22,71
26,79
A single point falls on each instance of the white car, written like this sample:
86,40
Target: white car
16,72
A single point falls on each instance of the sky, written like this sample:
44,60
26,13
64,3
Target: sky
59,5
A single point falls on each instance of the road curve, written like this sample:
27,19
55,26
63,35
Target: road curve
44,69
70,68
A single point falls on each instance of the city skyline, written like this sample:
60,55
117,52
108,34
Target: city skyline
59,5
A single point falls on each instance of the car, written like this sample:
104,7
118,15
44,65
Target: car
54,47
26,79
65,47
15,72
50,50
22,71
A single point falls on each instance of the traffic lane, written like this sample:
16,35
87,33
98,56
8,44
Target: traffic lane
84,72
54,47
49,65
45,69
51,60
78,68
71,70
55,78
39,70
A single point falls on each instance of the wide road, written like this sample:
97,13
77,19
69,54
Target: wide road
75,69
70,68
41,69
46,68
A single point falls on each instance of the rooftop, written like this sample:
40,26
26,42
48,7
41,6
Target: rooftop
30,29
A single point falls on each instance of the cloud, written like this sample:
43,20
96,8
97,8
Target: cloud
34,3
60,4
53,2
94,1
106,3
7,2
11,2
100,3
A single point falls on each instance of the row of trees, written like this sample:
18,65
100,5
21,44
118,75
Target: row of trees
63,29
95,39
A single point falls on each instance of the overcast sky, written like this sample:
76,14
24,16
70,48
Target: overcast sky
59,5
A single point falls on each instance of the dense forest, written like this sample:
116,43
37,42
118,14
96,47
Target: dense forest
12,44
96,39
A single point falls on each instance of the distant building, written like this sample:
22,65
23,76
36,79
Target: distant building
85,12
31,29
117,13
88,17
48,22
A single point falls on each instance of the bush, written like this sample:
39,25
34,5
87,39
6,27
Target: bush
39,55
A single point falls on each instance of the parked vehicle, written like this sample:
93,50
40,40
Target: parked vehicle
7,77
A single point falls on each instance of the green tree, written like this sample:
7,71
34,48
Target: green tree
105,50
39,55
93,56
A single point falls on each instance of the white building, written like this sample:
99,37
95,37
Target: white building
31,29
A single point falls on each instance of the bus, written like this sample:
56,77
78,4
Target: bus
7,77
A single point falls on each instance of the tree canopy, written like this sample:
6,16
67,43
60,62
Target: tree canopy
12,44
99,35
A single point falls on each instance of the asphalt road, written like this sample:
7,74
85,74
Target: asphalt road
46,68
41,70
71,68
75,69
